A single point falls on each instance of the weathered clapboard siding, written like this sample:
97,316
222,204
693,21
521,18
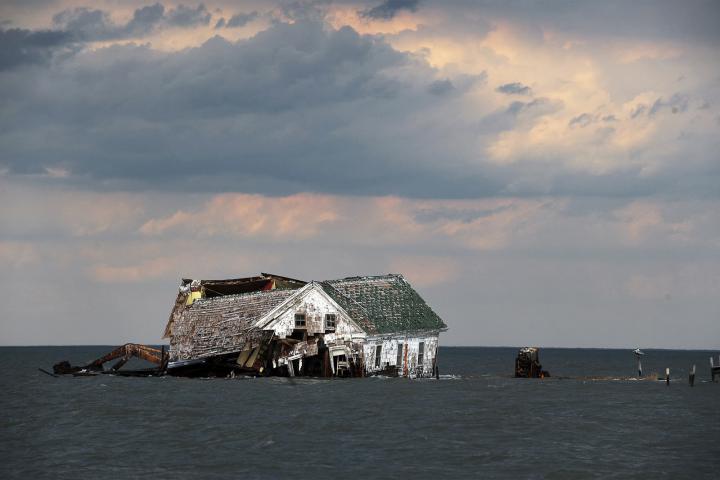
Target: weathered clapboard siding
315,306
409,345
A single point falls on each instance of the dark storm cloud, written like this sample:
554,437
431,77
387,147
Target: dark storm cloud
275,113
695,20
22,47
298,107
441,87
540,105
88,25
514,88
184,16
241,19
582,120
434,214
389,8
72,28
678,103
92,25
145,19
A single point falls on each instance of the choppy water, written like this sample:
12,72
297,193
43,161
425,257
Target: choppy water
476,422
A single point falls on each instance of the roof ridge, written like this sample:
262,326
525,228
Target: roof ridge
368,277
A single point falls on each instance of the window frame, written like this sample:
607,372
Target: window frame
303,318
334,321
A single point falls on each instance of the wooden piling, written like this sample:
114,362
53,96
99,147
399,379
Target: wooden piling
692,376
638,354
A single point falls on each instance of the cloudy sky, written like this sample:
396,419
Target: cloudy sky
544,172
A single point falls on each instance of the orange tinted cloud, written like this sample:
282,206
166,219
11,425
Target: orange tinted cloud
18,254
296,216
425,270
143,271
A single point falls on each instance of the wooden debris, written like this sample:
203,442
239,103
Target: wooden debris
527,364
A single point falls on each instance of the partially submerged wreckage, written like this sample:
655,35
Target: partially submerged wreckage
527,364
274,325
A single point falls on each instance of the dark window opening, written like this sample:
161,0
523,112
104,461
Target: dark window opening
300,320
399,361
330,320
378,355
421,353
299,334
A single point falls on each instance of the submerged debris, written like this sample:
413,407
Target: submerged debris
124,353
527,364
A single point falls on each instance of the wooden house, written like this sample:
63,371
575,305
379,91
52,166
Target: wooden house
274,325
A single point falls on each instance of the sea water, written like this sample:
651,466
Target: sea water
591,419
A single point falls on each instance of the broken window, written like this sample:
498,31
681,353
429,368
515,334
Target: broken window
399,361
300,320
421,353
378,355
330,321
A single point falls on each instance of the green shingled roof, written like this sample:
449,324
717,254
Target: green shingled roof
388,302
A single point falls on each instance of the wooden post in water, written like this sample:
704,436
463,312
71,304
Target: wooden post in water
692,376
638,353
667,377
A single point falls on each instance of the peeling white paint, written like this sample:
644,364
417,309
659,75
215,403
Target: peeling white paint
410,344
315,305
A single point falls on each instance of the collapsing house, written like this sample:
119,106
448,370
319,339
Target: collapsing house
274,325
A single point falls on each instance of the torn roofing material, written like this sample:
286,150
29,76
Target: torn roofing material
389,303
224,324
231,286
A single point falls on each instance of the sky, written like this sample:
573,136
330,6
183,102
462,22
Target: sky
543,172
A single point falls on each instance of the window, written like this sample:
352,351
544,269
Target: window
378,355
300,320
330,321
399,361
421,353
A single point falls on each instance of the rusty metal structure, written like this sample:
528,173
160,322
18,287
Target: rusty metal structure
122,354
